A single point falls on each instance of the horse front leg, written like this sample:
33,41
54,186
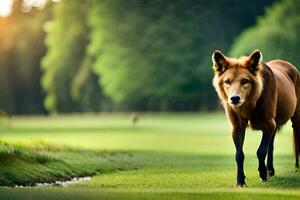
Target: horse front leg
270,166
238,137
263,148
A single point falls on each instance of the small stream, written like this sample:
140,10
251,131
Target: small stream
59,183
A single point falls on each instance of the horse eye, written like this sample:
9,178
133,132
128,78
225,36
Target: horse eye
244,81
227,81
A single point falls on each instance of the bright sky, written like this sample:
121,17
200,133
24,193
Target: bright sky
6,5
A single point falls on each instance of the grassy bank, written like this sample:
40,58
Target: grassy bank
27,165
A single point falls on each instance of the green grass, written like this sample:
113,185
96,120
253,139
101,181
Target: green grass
166,156
26,165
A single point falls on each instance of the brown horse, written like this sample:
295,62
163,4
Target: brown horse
263,95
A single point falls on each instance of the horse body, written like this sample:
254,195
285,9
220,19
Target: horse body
263,95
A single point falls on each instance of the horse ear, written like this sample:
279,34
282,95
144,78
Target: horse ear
254,61
219,61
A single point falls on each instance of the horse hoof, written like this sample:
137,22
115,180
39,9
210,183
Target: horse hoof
264,178
238,185
263,175
271,172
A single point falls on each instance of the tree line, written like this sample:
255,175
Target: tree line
104,55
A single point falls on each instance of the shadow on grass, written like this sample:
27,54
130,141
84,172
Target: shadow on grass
220,170
288,181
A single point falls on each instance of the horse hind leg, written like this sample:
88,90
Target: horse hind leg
296,123
296,130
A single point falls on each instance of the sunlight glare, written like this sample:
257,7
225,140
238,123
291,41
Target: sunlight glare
5,7
34,3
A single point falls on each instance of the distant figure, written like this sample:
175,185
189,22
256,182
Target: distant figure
4,118
135,118
3,113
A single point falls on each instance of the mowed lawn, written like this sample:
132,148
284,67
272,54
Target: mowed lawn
175,156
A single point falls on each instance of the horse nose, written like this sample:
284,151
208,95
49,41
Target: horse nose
235,99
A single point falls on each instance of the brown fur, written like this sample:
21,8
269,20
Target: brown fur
268,97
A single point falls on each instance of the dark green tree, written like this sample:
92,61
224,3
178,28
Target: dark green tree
68,80
276,34
22,47
156,54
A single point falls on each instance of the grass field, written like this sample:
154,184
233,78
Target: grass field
166,156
